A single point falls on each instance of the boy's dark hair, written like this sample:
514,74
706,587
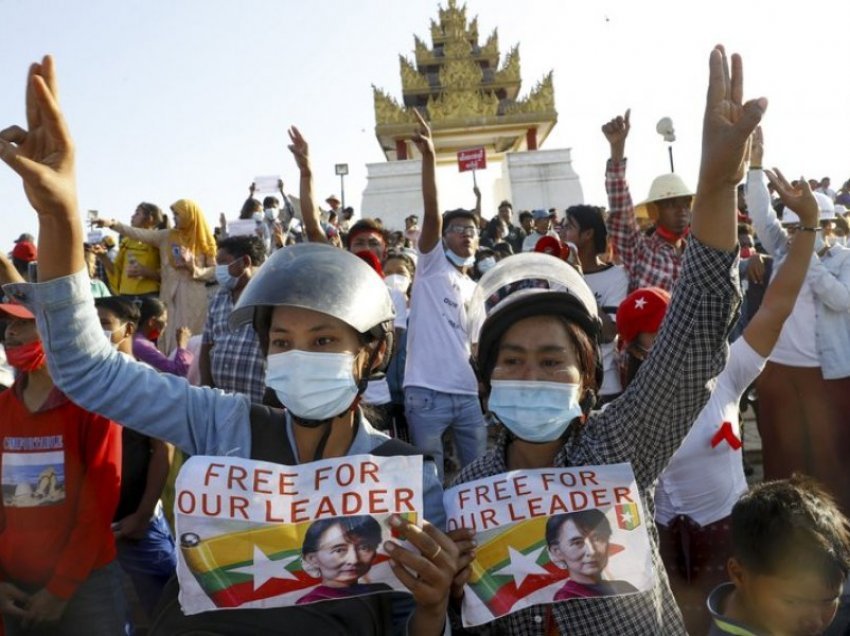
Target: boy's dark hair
154,214
791,522
746,228
365,225
841,223
150,308
125,309
591,217
246,245
525,214
270,202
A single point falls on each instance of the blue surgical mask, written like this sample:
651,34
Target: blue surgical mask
460,261
312,386
534,411
486,264
224,278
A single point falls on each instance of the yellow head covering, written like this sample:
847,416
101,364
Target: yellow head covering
195,234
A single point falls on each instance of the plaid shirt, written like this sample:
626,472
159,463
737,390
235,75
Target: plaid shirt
650,260
644,427
236,361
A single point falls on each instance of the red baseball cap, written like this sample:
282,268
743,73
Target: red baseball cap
25,251
642,311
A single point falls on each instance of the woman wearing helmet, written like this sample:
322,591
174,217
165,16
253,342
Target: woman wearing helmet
535,328
317,308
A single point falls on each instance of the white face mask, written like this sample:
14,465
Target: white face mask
399,282
258,216
269,213
313,386
224,277
109,335
534,411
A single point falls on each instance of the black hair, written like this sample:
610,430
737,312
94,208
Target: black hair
791,522
365,225
591,217
270,202
247,245
503,249
250,206
125,309
152,213
361,527
404,258
150,307
585,520
841,223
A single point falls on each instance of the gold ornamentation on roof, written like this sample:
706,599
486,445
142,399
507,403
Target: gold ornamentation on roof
541,99
491,48
388,110
457,48
411,80
510,69
462,104
461,74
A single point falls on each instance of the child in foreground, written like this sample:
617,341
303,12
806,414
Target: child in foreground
791,556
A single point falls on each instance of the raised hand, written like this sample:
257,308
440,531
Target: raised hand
617,130
799,198
299,149
422,137
728,123
43,155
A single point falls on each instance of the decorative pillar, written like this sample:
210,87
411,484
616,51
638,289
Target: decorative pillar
531,138
400,149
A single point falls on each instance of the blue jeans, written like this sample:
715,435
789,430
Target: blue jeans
149,562
429,413
97,607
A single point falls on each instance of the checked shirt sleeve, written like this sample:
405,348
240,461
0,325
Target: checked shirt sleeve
650,420
621,222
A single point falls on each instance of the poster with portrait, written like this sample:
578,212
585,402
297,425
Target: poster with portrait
255,534
551,535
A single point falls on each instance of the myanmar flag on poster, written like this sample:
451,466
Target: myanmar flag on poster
251,565
628,517
512,565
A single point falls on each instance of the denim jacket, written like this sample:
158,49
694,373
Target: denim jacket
828,276
198,420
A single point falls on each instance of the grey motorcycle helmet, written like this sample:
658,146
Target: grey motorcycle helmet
321,278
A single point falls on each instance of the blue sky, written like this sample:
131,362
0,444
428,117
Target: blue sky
192,98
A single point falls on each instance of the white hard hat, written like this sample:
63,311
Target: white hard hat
666,186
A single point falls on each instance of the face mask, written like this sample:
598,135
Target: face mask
224,278
460,261
258,217
399,282
313,386
486,264
746,252
153,335
26,357
109,335
535,411
269,213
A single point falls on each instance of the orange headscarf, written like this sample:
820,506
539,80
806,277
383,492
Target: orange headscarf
195,235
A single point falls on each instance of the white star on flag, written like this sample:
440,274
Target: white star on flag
522,565
264,569
627,517
640,303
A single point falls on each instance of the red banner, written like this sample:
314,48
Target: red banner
472,159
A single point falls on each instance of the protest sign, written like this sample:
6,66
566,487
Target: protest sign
267,183
257,534
242,227
551,535
472,159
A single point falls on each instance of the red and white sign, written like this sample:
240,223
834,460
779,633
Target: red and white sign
472,159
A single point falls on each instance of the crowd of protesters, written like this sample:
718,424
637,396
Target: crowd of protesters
543,338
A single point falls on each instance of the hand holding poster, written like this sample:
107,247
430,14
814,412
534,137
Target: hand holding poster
257,535
551,535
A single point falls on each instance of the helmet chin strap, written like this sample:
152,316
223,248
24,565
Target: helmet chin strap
327,422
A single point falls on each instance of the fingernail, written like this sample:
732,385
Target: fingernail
395,521
474,543
389,546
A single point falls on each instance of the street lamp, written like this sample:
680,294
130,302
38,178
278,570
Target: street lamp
341,169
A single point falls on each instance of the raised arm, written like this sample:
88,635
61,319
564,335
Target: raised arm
309,211
432,222
768,228
764,328
622,225
8,273
81,362
151,237
648,423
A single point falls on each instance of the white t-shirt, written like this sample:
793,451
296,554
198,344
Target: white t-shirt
530,241
797,346
401,310
704,482
610,286
437,342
